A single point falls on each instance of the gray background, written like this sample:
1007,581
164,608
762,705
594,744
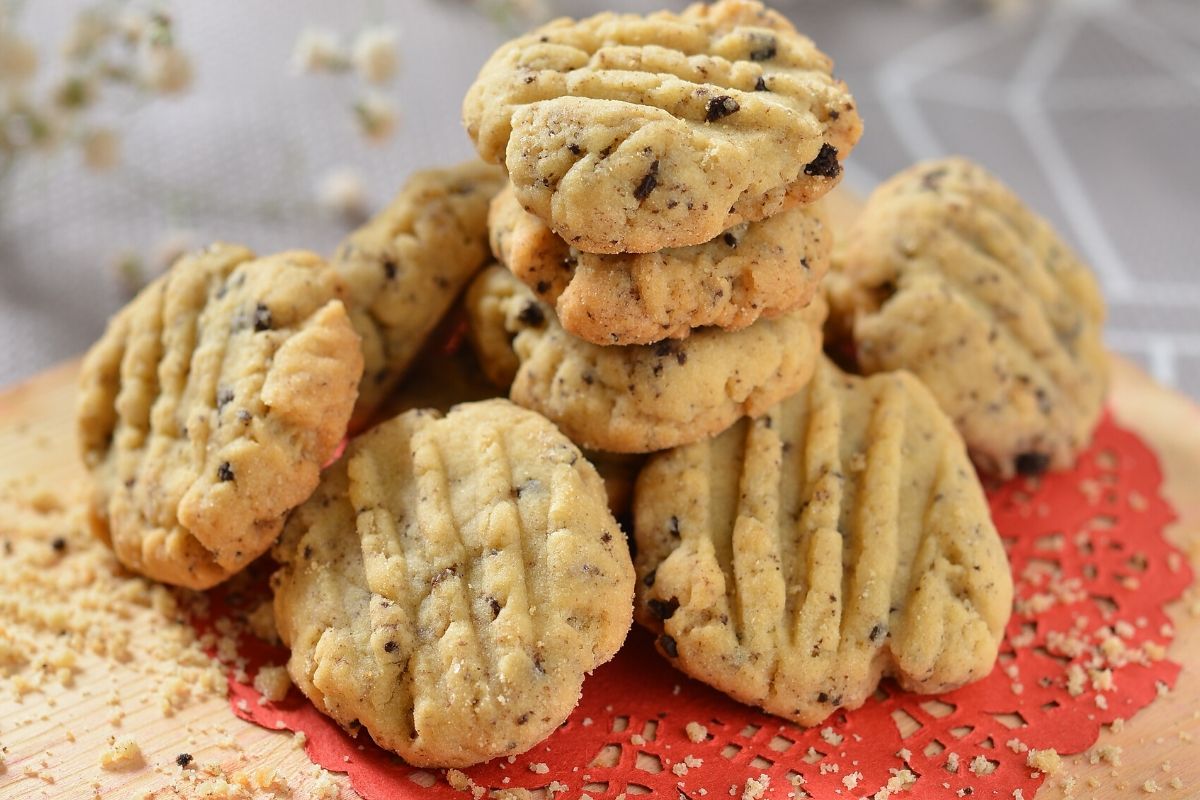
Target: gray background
1088,108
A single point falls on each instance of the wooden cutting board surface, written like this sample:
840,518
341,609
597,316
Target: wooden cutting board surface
36,437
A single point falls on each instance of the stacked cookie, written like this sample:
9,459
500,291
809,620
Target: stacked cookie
660,233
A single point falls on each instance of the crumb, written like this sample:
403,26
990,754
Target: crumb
1150,786
696,733
830,736
981,766
541,768
851,780
952,762
122,754
637,740
1046,761
756,787
272,683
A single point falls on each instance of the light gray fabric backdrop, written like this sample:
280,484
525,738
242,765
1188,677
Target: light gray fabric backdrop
1090,109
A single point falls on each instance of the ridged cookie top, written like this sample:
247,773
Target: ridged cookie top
209,405
636,398
756,269
632,134
842,536
451,582
406,265
948,274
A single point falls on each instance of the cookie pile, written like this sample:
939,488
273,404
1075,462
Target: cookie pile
800,532
660,232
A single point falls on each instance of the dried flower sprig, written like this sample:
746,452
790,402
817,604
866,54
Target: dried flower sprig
122,47
372,58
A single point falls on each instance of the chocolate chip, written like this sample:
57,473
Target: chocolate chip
673,526
932,180
389,269
648,183
825,165
760,85
224,397
59,544
765,50
390,647
574,148
521,720
876,632
731,240
668,645
542,287
183,759
243,415
720,107
1032,464
444,574
225,472
606,537
681,357
663,610
262,318
822,697
648,581
532,315
494,604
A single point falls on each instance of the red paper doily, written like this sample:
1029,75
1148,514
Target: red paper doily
1084,647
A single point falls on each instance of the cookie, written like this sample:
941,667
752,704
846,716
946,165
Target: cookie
209,405
636,398
441,380
451,582
405,267
756,269
634,134
796,559
948,274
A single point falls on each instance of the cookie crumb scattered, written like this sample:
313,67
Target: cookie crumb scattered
122,754
696,733
539,767
1045,761
272,683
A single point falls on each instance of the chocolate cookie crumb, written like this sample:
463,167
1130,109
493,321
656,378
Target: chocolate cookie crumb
720,107
648,183
825,165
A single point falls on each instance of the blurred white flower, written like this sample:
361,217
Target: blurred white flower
375,55
164,68
172,244
101,149
28,127
132,25
88,31
75,93
18,59
342,192
130,272
318,50
376,116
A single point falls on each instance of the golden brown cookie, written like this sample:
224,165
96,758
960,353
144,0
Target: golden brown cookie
405,267
441,380
209,406
948,274
756,269
636,398
841,537
634,134
451,582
